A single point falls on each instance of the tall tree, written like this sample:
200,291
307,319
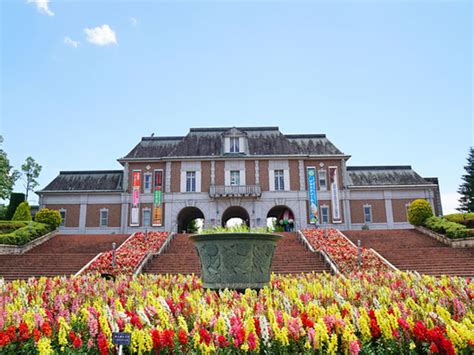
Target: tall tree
8,175
31,170
467,187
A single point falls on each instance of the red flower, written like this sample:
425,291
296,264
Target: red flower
256,322
103,345
11,333
46,329
155,336
307,323
222,341
419,330
182,337
205,336
252,341
434,348
36,334
167,338
4,339
24,331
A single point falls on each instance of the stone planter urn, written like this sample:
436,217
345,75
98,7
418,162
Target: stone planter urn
235,260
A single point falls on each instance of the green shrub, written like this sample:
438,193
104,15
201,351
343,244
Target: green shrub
450,229
22,212
25,234
419,211
49,217
466,219
10,226
15,199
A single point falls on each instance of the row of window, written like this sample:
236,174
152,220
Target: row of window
279,178
103,217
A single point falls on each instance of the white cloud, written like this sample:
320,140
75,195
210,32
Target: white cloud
133,21
450,202
101,35
70,42
42,6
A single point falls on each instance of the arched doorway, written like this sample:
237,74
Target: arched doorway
235,215
281,218
187,216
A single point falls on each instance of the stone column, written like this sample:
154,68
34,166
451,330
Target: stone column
301,174
257,173
387,196
213,172
82,213
168,177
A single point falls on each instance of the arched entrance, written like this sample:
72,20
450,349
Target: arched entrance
281,218
235,215
186,216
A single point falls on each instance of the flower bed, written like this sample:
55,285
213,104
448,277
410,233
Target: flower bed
314,313
343,252
129,255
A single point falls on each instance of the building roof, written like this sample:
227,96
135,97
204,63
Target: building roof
95,180
384,176
210,142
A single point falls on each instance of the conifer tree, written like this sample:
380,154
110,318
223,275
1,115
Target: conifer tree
466,190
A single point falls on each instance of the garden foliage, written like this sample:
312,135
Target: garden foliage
368,313
25,234
450,229
22,212
466,219
49,217
419,211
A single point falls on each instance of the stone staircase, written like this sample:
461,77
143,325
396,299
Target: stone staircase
408,249
61,255
290,257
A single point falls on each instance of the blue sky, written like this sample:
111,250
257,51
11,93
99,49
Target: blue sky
388,83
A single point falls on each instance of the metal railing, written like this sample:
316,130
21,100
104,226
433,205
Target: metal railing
235,191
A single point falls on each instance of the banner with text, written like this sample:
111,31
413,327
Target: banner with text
135,213
336,210
313,197
158,199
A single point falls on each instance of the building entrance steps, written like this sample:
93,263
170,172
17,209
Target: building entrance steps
409,249
61,255
290,257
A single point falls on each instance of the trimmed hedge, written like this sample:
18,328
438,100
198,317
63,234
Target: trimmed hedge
22,212
419,211
15,199
23,235
466,219
49,217
450,229
10,226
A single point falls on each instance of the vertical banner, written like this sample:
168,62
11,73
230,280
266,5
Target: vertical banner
158,198
313,198
336,210
135,214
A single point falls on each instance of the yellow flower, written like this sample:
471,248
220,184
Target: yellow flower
44,346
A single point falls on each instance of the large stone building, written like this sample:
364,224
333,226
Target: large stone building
220,173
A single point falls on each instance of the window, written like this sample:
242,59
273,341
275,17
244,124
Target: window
146,218
104,217
147,183
235,177
324,214
62,212
322,180
190,181
367,214
234,145
279,180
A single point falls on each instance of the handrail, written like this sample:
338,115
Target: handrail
326,257
305,241
388,263
331,263
150,255
87,265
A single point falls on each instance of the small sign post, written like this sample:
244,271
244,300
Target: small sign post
121,339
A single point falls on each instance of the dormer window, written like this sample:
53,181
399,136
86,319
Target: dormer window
234,145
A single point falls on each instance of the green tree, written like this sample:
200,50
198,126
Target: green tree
193,226
49,217
466,189
15,199
419,211
31,170
22,213
8,175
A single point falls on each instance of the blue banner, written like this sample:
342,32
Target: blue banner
313,198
